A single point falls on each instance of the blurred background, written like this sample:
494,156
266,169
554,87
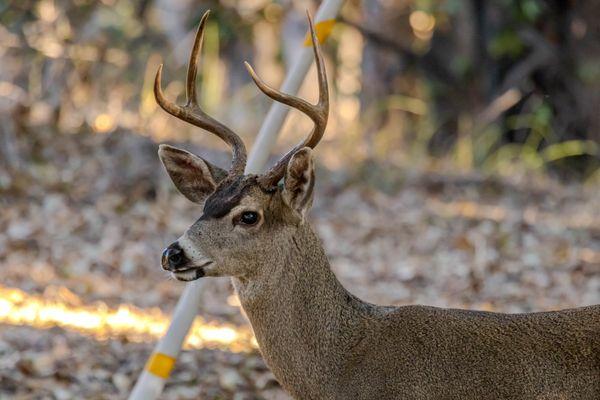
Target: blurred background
460,168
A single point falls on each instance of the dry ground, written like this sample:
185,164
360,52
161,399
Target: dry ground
94,221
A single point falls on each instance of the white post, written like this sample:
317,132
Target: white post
158,368
267,136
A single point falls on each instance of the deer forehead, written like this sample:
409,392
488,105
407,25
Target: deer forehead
248,203
243,193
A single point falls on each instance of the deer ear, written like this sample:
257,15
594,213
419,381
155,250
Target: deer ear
195,178
299,181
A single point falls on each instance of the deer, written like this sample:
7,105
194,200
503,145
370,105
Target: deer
319,340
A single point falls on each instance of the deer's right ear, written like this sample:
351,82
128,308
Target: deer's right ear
299,181
195,178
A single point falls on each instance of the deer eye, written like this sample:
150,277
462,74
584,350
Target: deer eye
249,218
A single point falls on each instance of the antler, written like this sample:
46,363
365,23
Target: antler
191,111
318,112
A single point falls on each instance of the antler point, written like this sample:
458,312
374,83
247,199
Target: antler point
249,68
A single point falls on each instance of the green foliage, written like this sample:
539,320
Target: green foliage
103,55
569,148
589,72
540,148
506,44
530,9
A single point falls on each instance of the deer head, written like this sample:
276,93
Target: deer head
246,219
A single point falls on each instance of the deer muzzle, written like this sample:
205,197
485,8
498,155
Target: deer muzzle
173,258
182,267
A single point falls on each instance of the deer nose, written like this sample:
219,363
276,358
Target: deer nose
173,257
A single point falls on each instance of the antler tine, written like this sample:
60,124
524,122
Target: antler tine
191,111
318,113
190,82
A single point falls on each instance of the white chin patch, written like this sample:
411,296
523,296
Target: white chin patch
187,275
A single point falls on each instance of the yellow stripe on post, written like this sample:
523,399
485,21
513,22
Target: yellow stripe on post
160,365
322,29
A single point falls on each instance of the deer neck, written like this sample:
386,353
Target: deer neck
301,315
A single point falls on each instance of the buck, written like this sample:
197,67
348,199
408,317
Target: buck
320,341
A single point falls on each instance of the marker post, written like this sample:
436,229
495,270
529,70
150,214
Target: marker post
160,364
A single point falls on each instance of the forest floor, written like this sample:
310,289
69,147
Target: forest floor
81,237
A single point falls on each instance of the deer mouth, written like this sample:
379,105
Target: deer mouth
191,273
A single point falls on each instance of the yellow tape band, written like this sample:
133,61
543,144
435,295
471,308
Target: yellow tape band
160,365
322,29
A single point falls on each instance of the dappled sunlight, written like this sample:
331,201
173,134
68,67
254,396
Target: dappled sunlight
103,123
65,310
422,24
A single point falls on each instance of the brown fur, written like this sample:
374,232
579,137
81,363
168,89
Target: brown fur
321,342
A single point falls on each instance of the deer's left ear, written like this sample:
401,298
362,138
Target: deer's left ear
299,181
